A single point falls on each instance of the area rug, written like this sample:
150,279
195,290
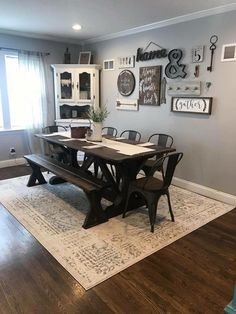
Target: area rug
54,216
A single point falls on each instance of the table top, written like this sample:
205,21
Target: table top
111,149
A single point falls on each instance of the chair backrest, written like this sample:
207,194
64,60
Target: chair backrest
161,139
131,135
53,128
50,147
169,163
108,130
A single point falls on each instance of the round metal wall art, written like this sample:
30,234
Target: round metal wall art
126,83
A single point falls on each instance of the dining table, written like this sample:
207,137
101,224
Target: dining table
124,155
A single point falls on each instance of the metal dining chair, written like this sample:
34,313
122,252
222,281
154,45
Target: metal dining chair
131,135
152,188
111,131
158,139
108,130
58,152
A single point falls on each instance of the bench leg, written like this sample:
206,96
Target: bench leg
96,215
36,175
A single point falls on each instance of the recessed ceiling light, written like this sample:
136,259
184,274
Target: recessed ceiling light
76,27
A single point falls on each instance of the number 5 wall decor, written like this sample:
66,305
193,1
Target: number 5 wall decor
197,54
200,105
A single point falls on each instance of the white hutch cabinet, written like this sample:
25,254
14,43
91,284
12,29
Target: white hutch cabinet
76,89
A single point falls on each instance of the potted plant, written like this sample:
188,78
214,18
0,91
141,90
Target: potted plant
97,116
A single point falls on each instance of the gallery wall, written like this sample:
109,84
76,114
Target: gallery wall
17,139
208,142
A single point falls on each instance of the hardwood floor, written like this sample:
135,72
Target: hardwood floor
195,274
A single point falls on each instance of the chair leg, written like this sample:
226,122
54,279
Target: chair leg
169,204
152,209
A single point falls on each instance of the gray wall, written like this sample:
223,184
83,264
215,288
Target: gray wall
17,138
208,142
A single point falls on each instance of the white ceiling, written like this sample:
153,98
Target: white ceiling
53,19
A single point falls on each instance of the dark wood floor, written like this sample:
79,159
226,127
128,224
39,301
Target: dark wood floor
193,275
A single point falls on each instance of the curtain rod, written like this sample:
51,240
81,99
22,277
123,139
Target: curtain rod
15,49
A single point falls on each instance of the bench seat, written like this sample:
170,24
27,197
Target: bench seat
92,187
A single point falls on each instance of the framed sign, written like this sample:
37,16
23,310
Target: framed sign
150,85
126,83
201,105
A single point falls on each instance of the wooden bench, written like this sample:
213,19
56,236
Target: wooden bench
92,186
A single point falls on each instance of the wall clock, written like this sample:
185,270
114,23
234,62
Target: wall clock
126,83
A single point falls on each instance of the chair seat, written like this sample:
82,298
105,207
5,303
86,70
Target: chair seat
148,184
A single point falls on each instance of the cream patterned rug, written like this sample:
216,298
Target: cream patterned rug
54,215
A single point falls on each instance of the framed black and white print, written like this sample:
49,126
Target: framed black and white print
200,105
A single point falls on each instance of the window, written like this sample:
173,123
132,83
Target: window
20,93
13,90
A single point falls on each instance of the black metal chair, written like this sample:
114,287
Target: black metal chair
58,152
131,135
158,139
108,130
152,188
111,131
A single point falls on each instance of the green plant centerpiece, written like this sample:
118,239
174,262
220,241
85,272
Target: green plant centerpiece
97,116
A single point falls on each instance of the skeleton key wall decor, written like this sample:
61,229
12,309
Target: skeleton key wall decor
213,41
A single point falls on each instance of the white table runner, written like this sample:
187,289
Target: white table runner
122,148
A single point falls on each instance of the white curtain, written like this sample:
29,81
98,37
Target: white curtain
34,95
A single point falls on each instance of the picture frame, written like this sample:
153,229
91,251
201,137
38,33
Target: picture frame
199,105
85,57
228,52
150,85
126,62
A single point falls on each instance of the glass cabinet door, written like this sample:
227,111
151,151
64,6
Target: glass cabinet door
66,86
85,86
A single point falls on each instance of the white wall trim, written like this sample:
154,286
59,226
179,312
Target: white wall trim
12,162
164,23
205,191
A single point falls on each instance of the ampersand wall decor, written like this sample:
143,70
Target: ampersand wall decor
173,68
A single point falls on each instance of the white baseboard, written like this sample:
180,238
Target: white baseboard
205,191
12,162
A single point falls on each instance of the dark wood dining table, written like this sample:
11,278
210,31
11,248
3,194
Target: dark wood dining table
127,165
